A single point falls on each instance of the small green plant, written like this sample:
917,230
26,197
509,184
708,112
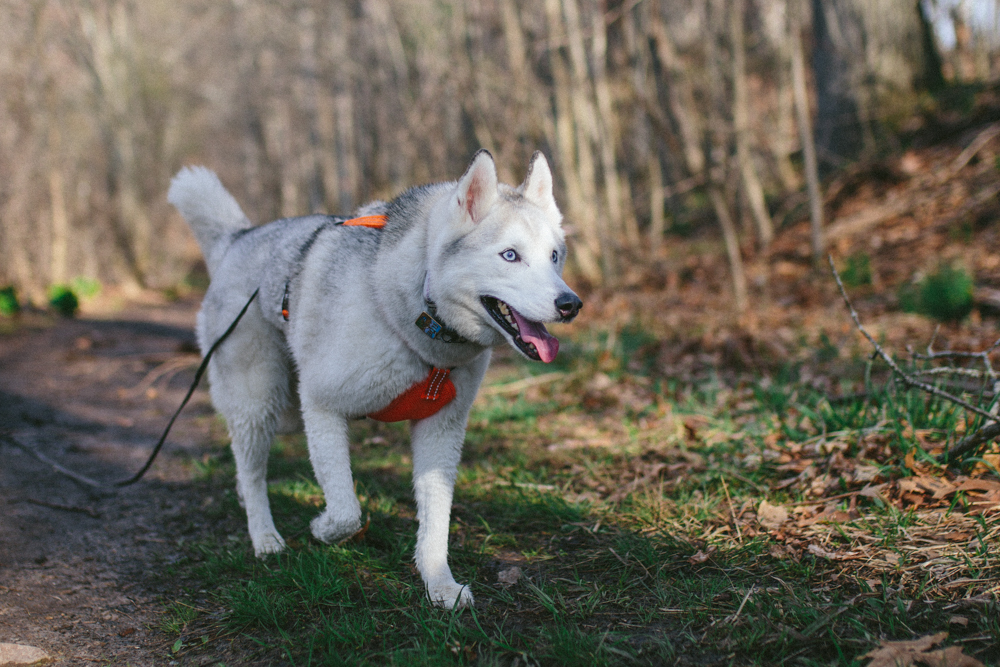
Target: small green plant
85,288
946,294
858,271
9,304
63,300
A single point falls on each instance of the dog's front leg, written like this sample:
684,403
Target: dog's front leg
437,448
329,452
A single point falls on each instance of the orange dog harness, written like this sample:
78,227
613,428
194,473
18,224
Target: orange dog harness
421,400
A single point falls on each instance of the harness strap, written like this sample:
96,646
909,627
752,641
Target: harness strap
373,221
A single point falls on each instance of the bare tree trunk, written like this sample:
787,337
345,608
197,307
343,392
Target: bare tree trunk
717,131
59,255
573,155
587,137
732,242
657,219
348,169
741,125
680,94
531,96
784,141
965,66
475,96
59,268
636,37
615,191
868,58
805,128
309,104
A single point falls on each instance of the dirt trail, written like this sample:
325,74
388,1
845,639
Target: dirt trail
77,568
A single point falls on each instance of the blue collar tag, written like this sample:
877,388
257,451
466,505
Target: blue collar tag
429,325
437,331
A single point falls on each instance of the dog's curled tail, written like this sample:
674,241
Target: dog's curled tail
209,209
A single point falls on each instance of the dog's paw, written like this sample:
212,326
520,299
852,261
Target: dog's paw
332,529
267,543
450,594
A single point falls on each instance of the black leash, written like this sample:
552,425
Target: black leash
163,438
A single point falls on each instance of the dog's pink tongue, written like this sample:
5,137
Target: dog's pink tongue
536,333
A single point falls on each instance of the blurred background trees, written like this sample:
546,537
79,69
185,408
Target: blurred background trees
658,117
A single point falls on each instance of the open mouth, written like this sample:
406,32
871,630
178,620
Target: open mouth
531,338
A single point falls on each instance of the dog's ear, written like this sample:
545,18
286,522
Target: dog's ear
537,186
477,189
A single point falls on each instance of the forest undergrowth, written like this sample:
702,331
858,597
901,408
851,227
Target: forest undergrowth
607,515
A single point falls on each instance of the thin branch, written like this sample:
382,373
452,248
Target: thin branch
89,511
907,379
948,370
970,151
31,451
946,354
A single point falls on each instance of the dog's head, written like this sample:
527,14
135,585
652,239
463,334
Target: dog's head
497,259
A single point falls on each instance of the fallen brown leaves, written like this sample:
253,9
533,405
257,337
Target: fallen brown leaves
918,521
920,652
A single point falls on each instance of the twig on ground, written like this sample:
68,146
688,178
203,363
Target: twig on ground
520,385
970,442
732,511
746,597
89,511
170,367
76,477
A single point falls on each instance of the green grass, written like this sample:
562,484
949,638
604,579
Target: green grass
662,575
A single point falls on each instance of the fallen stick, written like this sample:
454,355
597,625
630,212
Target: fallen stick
970,443
65,508
520,385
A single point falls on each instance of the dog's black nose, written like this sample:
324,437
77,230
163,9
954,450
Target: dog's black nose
568,305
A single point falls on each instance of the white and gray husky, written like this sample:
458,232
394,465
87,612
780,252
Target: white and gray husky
391,314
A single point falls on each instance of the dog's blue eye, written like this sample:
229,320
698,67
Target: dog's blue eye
510,255
555,256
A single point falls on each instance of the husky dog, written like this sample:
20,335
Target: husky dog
380,315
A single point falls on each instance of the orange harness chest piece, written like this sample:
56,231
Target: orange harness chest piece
421,400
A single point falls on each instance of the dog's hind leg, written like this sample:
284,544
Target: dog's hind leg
250,387
329,452
251,444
